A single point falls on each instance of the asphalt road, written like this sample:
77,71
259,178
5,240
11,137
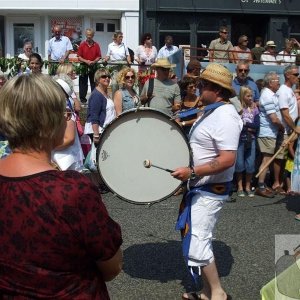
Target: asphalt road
244,245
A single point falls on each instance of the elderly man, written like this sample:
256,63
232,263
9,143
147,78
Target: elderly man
219,49
243,79
89,54
289,112
161,92
270,131
269,56
59,46
214,145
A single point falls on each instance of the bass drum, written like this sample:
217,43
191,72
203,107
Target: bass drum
135,136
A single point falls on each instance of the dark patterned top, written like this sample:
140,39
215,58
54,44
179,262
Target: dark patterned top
53,228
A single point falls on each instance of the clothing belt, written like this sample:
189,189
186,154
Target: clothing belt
221,188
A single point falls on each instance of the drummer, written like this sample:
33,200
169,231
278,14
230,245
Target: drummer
214,140
165,95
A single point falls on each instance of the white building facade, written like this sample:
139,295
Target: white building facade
34,19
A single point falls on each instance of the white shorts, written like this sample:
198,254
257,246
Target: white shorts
204,215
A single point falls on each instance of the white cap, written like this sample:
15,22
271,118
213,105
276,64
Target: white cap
64,86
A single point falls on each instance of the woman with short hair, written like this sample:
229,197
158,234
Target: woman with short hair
241,51
52,244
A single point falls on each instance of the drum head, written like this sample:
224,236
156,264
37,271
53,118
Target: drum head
132,138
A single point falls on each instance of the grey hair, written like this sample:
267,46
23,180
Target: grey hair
269,76
289,68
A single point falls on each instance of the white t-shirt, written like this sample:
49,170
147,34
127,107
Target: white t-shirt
117,52
285,59
287,99
218,131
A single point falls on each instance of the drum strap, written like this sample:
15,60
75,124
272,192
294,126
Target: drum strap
150,91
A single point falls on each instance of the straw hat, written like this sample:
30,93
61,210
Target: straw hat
163,63
65,86
270,44
219,75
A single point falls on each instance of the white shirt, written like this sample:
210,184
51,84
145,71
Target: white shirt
117,52
268,59
287,99
285,59
166,52
58,48
218,131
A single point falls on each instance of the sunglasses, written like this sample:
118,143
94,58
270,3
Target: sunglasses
130,77
105,76
244,70
148,38
225,32
296,74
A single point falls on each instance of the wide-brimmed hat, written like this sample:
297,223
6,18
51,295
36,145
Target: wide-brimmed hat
270,44
219,75
64,86
163,63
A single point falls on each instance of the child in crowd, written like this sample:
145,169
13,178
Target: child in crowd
289,166
246,149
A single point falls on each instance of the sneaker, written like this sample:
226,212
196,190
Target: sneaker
250,194
241,193
264,193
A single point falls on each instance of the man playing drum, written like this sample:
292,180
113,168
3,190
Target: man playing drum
214,140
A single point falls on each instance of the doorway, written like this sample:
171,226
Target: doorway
250,25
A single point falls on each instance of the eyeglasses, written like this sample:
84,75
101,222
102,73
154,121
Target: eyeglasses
105,76
130,77
225,32
296,74
244,70
28,48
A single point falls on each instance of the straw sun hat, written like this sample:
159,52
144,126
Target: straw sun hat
163,63
219,75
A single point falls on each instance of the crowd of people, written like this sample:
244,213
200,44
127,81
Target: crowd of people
232,123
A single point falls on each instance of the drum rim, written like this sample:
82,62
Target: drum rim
99,149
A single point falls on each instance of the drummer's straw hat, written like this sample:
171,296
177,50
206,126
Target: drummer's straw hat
219,75
163,63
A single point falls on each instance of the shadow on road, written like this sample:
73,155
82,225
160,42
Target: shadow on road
163,261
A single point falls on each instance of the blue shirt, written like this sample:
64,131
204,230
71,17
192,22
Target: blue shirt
249,82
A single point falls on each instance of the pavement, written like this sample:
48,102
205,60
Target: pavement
244,246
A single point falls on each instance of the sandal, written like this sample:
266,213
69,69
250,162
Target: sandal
192,296
279,190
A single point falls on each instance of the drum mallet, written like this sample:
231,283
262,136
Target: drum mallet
148,164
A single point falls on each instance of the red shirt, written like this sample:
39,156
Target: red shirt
89,52
53,228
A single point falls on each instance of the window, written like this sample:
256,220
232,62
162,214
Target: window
111,27
100,27
22,33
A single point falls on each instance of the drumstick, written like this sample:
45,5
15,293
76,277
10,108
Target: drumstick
290,138
148,164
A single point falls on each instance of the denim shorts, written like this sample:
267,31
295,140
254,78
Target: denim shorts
245,158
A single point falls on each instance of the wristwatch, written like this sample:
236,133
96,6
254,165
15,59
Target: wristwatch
193,174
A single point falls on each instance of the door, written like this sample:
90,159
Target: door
22,29
104,30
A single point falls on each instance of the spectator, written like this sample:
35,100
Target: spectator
243,79
165,95
247,144
285,57
270,130
168,49
35,63
68,69
101,109
89,54
64,249
220,48
68,155
289,112
242,52
27,47
269,56
59,46
258,50
126,97
193,68
146,53
117,53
